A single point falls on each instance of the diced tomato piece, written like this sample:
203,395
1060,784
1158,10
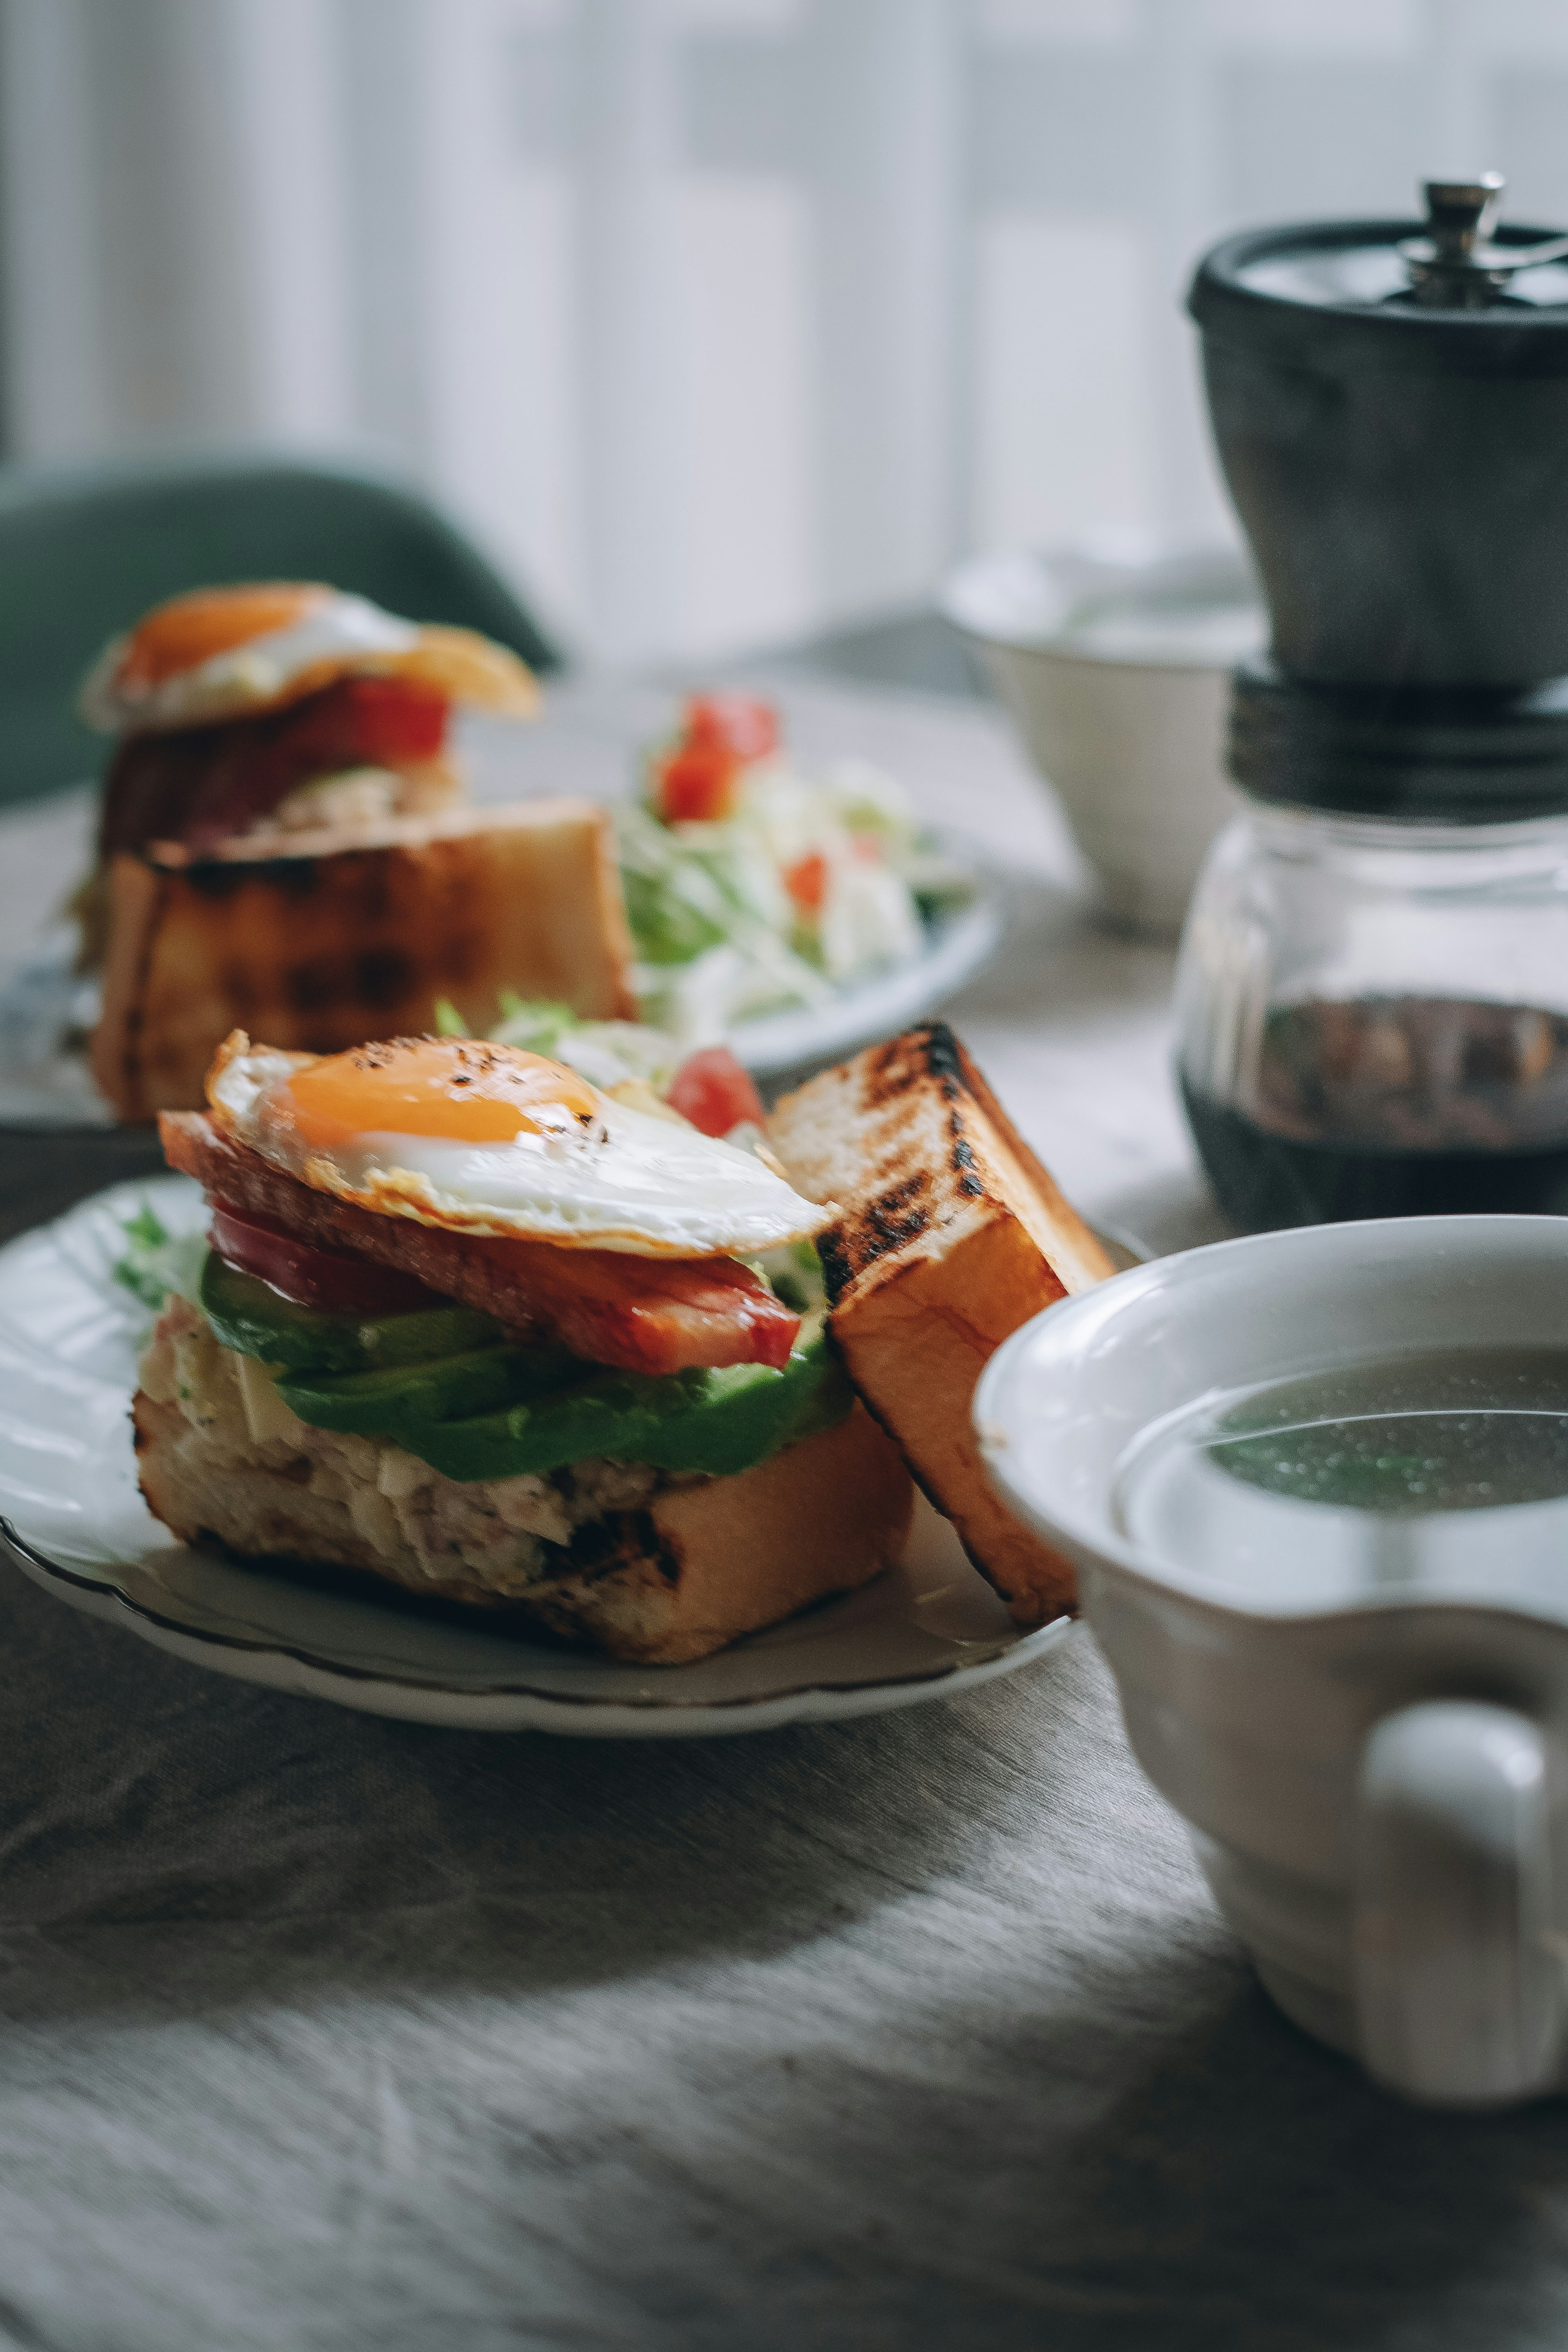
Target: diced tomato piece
748,728
329,1280
697,783
806,881
698,777
715,1092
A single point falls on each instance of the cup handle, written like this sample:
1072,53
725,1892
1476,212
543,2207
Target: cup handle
1459,1987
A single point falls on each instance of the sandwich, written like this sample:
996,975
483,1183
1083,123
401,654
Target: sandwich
948,1234
472,1325
274,706
284,843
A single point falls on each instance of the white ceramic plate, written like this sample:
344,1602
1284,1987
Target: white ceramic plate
75,1522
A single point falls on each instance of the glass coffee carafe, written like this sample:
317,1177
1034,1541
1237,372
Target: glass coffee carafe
1372,995
1372,1018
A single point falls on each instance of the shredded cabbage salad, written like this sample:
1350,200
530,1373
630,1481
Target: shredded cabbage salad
753,885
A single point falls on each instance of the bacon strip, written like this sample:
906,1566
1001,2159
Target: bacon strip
639,1314
201,784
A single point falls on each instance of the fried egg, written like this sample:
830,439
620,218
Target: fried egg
491,1140
227,653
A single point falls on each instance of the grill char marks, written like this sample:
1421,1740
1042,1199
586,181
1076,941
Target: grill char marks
879,1230
908,1200
601,1548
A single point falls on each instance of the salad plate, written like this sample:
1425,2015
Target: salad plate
72,1519
48,1009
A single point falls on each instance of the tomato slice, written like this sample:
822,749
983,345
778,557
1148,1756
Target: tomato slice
328,1280
715,1092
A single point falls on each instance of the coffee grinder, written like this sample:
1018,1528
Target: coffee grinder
1372,992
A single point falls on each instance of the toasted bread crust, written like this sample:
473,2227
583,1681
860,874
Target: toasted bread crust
953,1235
715,1561
318,941
929,1155
697,1569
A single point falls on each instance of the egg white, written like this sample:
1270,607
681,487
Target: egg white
629,1182
253,673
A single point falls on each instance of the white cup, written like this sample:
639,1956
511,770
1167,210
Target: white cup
1115,669
1376,1780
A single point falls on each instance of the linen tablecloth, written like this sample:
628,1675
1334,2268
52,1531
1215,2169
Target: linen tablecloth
322,2030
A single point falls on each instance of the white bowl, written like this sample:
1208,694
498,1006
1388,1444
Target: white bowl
1115,667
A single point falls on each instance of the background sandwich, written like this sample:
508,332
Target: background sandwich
283,841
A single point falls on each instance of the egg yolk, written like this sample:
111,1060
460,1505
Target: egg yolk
189,630
473,1092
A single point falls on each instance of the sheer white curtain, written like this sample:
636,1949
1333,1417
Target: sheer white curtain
716,319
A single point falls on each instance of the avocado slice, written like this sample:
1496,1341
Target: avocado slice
399,1400
718,1421
500,1412
253,1318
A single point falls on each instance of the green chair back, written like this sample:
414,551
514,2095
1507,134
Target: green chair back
83,553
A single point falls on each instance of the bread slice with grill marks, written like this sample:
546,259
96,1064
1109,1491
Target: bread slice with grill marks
953,1235
319,941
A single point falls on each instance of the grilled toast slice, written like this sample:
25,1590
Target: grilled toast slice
319,941
953,1235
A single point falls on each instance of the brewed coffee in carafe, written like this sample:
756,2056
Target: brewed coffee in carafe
1394,1106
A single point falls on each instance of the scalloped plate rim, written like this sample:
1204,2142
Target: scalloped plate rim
520,1706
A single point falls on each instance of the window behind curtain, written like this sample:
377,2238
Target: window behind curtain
717,320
